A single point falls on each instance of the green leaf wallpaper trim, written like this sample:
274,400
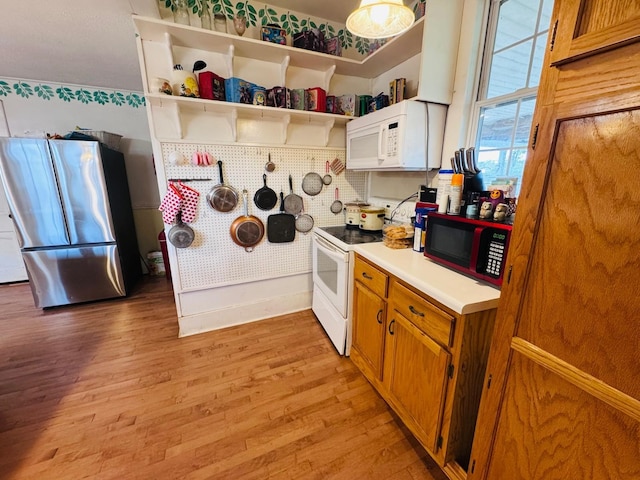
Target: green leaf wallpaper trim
86,95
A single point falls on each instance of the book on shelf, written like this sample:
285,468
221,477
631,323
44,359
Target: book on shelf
397,90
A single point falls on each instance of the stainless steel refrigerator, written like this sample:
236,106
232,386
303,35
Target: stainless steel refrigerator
70,203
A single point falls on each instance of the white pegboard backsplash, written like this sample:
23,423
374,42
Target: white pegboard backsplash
213,259
403,213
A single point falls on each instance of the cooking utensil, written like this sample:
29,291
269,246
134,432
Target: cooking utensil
352,213
327,179
265,198
281,227
304,222
336,206
181,235
270,166
221,197
458,160
292,202
312,184
247,230
337,166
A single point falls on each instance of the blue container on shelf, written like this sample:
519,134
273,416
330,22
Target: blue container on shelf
238,90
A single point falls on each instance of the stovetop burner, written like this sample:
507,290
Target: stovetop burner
353,236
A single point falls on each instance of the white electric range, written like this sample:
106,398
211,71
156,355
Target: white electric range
333,262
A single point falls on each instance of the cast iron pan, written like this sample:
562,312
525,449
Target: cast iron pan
281,227
265,198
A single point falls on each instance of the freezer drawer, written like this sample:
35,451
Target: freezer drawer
72,275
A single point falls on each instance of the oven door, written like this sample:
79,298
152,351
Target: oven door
331,272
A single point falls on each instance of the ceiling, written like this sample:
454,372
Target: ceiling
93,43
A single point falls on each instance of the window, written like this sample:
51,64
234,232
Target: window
514,49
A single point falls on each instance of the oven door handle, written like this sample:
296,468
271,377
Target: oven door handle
330,249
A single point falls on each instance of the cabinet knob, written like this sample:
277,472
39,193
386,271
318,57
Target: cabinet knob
391,326
415,312
379,316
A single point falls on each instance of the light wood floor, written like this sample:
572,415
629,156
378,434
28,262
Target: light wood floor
106,390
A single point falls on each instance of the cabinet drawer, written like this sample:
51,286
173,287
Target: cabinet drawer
376,280
433,321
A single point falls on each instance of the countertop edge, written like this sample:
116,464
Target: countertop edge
462,294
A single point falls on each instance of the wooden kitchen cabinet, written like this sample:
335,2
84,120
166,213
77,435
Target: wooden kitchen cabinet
426,361
562,397
369,318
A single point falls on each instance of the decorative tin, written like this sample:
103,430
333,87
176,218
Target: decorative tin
298,99
259,95
332,104
364,104
237,90
349,105
316,99
274,34
332,46
279,97
309,40
211,86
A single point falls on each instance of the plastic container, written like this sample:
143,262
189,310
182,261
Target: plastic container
156,264
444,188
398,236
455,194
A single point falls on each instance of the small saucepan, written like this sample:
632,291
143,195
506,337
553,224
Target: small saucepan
181,235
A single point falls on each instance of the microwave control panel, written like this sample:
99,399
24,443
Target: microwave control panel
392,140
496,252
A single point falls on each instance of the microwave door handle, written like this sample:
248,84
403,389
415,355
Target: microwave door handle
477,235
381,140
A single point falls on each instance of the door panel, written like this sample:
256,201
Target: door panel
568,434
586,258
83,191
369,327
71,275
417,377
32,193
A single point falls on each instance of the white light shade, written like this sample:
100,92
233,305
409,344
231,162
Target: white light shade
380,19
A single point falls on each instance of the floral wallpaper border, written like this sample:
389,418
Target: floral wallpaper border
288,21
70,93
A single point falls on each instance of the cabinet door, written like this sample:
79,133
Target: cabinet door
589,27
416,377
562,397
368,327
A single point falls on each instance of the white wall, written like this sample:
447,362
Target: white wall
34,108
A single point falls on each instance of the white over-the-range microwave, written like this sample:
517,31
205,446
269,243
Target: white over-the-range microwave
404,136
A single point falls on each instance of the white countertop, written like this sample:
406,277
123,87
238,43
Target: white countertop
459,292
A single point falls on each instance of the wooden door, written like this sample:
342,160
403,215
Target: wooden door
562,396
416,374
369,314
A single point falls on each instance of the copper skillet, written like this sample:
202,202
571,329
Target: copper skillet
247,230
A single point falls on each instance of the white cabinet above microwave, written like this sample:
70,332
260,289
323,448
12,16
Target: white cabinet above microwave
404,136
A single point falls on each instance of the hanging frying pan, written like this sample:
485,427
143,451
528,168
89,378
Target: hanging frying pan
221,197
281,227
292,202
265,198
247,230
181,235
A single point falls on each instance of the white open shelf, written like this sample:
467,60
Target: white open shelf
392,53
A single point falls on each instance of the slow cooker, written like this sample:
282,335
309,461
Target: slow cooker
352,213
371,218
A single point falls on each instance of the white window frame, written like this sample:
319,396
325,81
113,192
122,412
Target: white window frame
483,75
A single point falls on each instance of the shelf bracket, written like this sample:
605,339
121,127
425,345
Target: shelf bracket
328,75
283,69
286,120
228,59
168,42
233,123
328,125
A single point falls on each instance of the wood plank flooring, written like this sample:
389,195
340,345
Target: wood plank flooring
107,390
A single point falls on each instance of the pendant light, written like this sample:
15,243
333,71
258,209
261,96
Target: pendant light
380,19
